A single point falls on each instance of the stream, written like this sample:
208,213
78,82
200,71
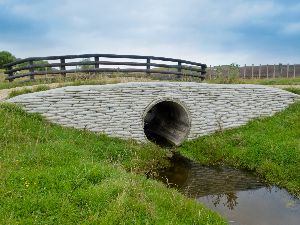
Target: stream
238,195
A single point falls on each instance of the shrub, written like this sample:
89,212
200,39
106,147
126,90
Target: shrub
6,57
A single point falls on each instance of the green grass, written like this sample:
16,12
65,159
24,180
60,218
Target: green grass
27,90
280,81
293,90
269,146
55,175
2,78
271,81
2,75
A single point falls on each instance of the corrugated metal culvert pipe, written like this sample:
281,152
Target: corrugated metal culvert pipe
167,122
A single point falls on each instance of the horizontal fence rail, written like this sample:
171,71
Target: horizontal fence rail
30,67
254,71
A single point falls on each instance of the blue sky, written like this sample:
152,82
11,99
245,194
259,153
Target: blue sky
213,32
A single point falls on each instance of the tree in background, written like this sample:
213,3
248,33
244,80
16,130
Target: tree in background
88,66
227,74
43,62
40,62
6,57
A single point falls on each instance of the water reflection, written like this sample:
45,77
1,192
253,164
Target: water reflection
195,180
238,195
260,206
230,202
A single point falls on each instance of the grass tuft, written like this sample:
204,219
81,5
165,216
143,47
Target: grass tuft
22,91
293,90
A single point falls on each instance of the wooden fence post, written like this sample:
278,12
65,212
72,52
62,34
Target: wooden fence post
210,71
31,70
148,66
96,62
294,70
63,67
179,69
287,70
252,71
274,71
245,71
267,71
259,71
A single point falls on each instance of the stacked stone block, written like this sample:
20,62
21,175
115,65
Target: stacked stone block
119,109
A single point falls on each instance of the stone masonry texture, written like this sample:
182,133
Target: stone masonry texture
119,109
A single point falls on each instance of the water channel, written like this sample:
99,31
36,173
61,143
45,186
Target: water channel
238,195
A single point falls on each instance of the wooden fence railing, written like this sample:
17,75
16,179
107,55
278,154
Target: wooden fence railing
30,67
254,71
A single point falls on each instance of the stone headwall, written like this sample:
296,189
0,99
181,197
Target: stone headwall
119,109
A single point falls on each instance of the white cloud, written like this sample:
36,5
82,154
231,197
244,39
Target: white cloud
292,28
214,32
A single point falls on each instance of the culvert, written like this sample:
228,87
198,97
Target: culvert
166,122
120,110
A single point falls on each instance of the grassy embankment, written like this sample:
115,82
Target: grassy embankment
293,90
271,81
55,175
289,84
269,146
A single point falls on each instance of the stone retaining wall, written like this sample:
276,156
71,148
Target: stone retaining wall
119,109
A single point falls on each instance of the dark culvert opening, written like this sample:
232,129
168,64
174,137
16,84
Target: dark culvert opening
166,123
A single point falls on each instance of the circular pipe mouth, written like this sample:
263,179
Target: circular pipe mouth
167,123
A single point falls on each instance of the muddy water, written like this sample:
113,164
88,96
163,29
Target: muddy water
238,195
